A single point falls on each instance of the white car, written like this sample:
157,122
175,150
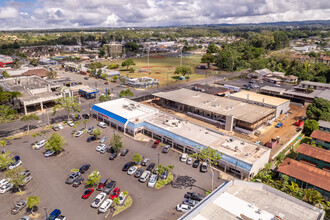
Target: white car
79,133
101,147
15,164
122,198
152,180
105,205
98,200
40,144
26,180
132,170
183,208
6,187
189,160
145,175
70,123
103,139
60,126
3,182
102,124
184,157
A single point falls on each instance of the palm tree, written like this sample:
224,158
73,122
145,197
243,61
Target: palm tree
115,203
312,196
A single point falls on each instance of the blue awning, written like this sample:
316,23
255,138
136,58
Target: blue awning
109,114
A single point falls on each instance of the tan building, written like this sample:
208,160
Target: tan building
113,50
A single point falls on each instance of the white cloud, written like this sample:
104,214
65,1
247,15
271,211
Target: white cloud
98,13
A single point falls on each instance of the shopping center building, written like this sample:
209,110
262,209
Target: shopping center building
241,157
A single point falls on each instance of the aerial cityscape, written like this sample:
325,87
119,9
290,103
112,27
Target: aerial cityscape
164,110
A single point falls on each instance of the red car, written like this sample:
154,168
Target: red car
115,193
87,193
102,184
155,145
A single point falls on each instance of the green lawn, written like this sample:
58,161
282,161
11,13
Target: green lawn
128,203
159,66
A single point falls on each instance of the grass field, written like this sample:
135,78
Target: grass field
159,67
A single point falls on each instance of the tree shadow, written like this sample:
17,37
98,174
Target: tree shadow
183,182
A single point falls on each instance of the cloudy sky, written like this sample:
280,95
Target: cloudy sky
27,14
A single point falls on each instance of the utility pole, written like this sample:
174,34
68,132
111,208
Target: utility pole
46,212
167,80
181,57
148,56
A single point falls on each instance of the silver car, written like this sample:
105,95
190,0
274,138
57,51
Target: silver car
189,160
103,139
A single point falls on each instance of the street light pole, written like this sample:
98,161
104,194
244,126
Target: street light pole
46,212
158,157
47,114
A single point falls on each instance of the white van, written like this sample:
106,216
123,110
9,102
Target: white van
145,175
184,157
102,124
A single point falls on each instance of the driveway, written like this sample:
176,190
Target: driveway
49,175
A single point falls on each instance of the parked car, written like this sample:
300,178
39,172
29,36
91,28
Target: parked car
190,202
25,173
109,187
4,182
132,170
193,195
26,180
128,165
84,168
144,177
102,184
122,197
164,175
60,126
138,173
16,162
98,200
90,129
115,193
155,144
152,180
102,124
195,164
77,181
40,144
55,128
203,167
145,162
70,123
166,149
183,208
18,207
124,152
103,150
61,217
91,138
184,157
103,139
113,156
72,177
189,160
105,205
85,116
151,167
6,187
278,125
277,85
54,214
87,193
79,133
100,147
77,117
25,217
49,153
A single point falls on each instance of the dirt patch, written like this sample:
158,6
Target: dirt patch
146,67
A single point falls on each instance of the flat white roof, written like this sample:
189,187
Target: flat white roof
128,109
256,97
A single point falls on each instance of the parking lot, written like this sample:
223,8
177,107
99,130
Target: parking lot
49,175
241,82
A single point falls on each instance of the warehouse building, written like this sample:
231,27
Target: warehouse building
239,157
280,105
233,114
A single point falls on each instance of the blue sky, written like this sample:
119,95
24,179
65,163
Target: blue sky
34,14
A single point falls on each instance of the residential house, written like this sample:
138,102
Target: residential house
324,125
321,138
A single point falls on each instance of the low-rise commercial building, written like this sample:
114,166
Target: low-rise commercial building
324,125
321,138
241,157
314,156
238,199
233,114
280,105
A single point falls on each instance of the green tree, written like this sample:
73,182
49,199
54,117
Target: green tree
5,160
96,132
183,70
16,178
208,58
55,143
85,122
3,144
312,196
101,53
104,98
116,142
35,135
210,156
132,47
113,66
114,78
125,93
137,158
212,49
309,126
226,60
32,202
115,203
28,118
319,109
34,62
128,63
131,70
7,114
69,104
5,74
93,179
161,169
